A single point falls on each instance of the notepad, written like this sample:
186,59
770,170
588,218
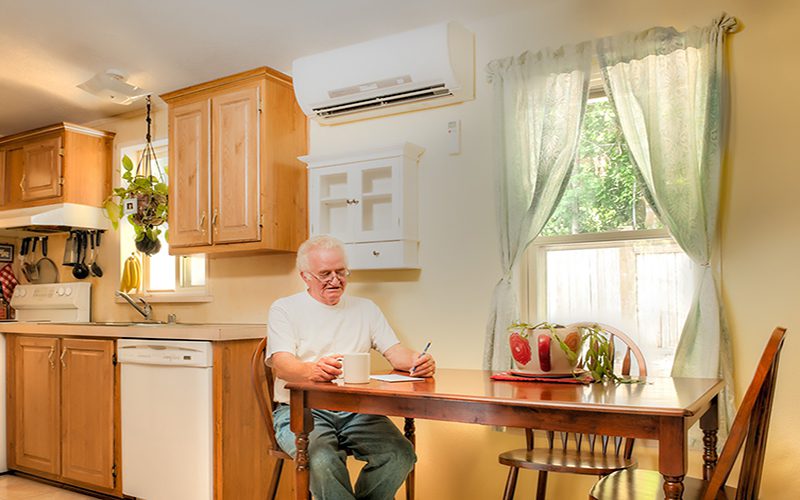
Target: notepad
392,377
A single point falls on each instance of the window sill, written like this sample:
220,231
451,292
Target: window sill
169,298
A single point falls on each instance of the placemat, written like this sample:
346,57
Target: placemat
586,378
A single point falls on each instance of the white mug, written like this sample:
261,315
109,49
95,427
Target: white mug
356,367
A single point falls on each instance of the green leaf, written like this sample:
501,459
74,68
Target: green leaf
127,163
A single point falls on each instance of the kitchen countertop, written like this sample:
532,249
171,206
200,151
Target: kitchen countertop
214,332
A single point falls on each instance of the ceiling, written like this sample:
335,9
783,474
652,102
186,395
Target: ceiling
47,47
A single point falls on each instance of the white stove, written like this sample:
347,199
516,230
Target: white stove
58,302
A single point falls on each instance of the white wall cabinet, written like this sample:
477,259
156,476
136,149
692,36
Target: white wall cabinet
368,199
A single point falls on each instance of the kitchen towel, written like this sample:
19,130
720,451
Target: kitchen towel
8,281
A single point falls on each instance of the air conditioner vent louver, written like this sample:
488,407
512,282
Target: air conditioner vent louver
418,69
421,94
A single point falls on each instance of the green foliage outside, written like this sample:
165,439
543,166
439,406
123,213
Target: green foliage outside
604,193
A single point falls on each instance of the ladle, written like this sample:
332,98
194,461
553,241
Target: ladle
95,267
80,270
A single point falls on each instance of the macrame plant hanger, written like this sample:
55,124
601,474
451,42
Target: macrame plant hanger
144,167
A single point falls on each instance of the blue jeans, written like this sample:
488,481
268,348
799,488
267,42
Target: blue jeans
371,438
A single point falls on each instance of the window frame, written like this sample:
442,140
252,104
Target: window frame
180,293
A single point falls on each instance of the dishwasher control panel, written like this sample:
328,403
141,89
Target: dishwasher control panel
185,353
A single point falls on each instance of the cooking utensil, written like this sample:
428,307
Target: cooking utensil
80,270
47,269
71,250
95,268
23,256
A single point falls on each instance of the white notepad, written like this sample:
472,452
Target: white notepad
392,377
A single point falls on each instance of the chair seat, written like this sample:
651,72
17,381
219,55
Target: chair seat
639,484
558,460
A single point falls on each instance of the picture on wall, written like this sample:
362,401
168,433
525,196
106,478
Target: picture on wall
6,252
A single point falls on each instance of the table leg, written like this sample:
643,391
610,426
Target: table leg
409,429
301,423
672,456
709,422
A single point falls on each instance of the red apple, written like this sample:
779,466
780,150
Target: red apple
544,351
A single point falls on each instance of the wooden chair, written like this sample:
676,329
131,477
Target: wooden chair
749,428
263,384
576,453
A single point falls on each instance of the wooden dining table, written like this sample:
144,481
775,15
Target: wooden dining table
661,409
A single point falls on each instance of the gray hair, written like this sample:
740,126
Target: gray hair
319,242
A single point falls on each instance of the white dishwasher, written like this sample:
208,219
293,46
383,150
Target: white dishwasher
167,420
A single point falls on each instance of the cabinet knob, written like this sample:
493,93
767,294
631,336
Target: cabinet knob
375,253
63,353
22,182
202,222
50,357
355,202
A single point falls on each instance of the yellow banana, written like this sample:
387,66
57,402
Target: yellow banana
136,280
124,282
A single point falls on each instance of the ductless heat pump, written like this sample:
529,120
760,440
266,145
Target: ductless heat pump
422,68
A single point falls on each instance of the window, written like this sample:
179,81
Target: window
166,276
604,256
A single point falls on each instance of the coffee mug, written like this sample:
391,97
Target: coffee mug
356,367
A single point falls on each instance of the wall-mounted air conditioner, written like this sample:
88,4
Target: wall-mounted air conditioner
422,68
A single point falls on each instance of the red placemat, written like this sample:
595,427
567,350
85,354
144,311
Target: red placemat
509,377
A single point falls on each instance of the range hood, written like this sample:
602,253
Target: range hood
55,218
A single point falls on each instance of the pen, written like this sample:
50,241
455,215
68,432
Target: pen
424,351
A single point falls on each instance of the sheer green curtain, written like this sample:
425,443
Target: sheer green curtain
539,99
670,92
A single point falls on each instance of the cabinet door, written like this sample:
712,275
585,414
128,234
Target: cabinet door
87,411
331,200
377,208
3,178
37,429
235,166
189,195
41,169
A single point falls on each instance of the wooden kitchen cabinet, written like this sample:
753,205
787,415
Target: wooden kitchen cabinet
63,410
236,185
62,163
35,403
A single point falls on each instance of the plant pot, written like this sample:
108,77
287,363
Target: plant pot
537,353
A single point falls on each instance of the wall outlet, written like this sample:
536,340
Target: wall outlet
454,137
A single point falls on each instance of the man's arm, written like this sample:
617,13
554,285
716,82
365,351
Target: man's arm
402,358
288,367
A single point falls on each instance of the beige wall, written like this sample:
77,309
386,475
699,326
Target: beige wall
447,301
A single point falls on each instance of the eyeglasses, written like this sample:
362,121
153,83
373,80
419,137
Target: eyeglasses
328,276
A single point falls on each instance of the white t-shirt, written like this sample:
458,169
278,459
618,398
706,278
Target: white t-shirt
301,325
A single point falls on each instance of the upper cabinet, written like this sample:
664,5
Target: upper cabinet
369,201
236,185
62,163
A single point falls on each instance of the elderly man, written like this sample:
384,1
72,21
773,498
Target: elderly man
308,333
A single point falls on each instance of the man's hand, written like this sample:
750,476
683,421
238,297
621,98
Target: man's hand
326,368
424,366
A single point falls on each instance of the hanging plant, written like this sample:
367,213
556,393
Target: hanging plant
143,200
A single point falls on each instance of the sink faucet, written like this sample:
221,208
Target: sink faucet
145,309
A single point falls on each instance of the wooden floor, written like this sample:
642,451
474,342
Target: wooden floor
17,488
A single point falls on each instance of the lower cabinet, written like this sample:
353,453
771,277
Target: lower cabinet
64,415
63,410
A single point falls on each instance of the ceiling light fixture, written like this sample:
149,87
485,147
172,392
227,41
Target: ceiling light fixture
112,86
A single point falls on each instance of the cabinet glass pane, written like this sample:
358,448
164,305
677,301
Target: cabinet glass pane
377,213
333,218
333,186
377,180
